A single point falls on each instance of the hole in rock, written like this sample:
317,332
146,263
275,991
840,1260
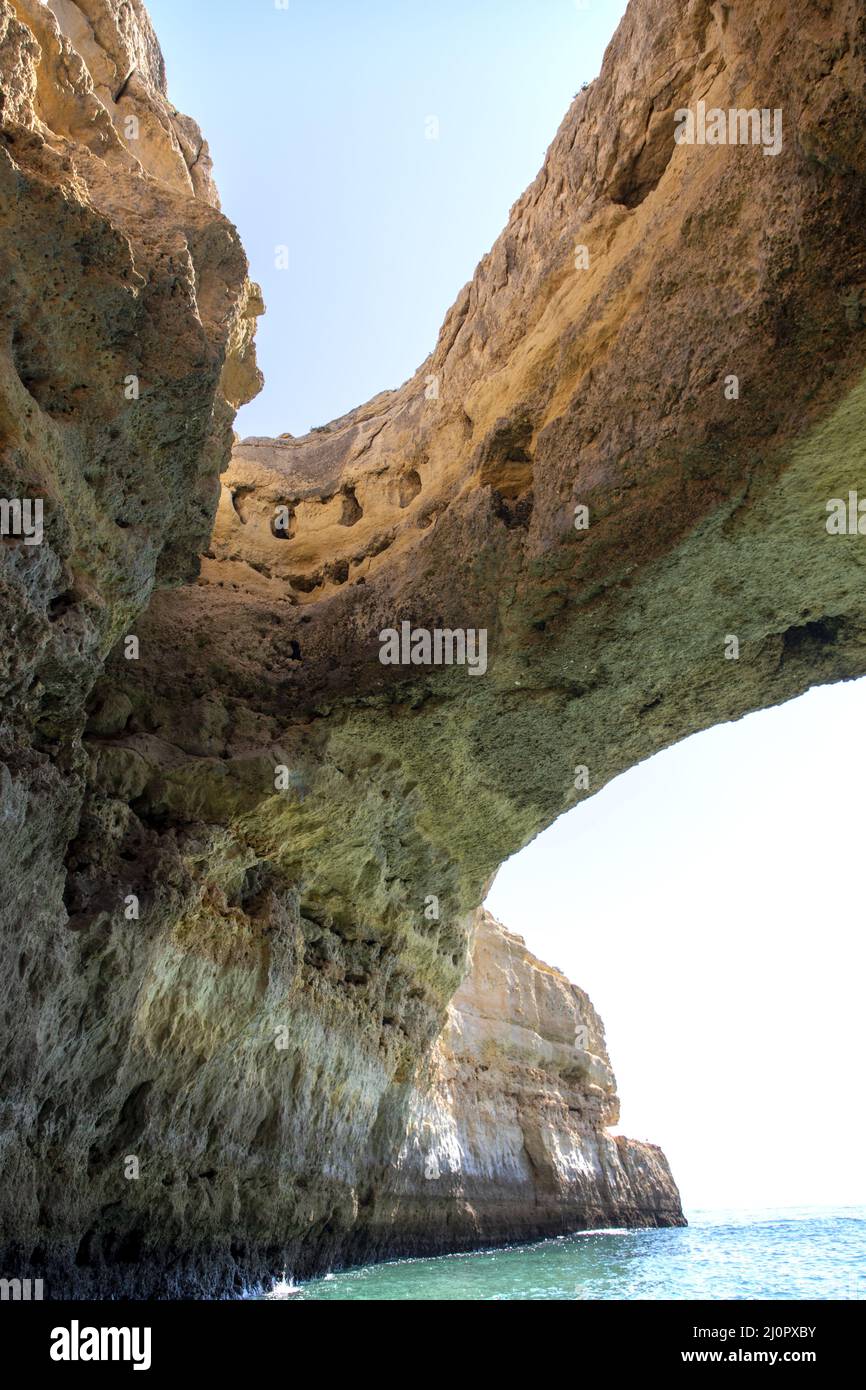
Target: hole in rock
283,522
643,173
306,583
352,509
408,487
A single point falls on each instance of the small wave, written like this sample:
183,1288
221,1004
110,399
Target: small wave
602,1231
283,1288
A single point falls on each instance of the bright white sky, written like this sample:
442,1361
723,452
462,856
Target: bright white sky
712,900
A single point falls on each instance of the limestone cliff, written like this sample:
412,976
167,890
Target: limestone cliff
127,320
238,908
127,325
507,1130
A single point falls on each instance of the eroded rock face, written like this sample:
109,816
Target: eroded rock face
508,1126
127,320
306,833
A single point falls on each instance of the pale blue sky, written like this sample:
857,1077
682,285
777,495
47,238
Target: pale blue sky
316,119
711,899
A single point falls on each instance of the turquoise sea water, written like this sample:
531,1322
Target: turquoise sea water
786,1254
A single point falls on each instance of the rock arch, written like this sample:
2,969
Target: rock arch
307,833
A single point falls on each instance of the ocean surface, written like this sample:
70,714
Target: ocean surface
789,1254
